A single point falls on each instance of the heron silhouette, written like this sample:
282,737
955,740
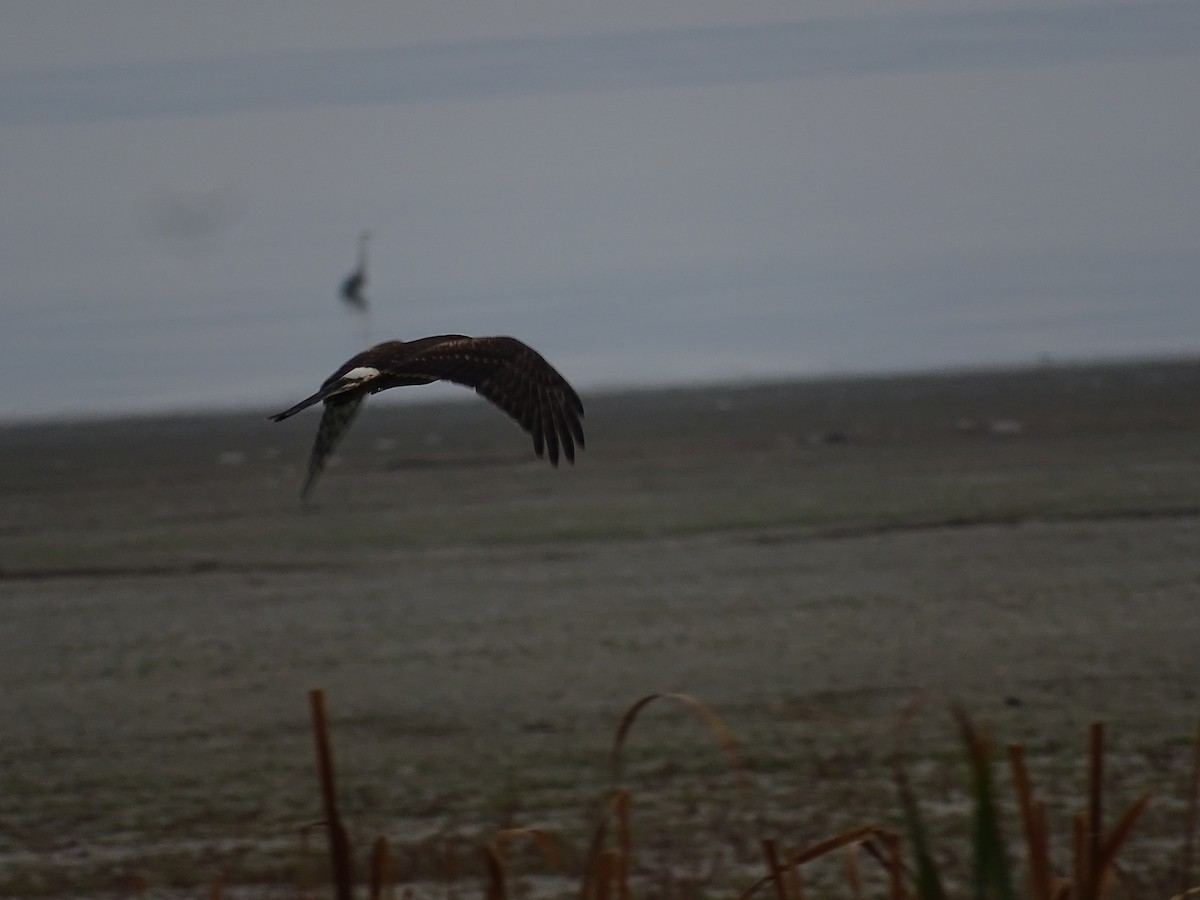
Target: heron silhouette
507,372
354,284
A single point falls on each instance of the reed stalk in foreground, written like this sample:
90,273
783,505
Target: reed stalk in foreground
339,843
607,867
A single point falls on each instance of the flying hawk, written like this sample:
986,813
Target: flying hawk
509,373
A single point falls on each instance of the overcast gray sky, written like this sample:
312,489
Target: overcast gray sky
647,191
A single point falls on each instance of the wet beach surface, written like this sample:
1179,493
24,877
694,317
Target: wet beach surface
807,559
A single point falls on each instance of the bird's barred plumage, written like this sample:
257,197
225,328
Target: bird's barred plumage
509,373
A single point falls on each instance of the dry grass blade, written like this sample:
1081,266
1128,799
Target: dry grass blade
339,844
1095,813
899,877
594,871
774,869
1033,826
1041,838
606,869
795,883
495,874
381,869
853,870
724,735
853,836
591,868
1120,834
798,858
622,804
1079,844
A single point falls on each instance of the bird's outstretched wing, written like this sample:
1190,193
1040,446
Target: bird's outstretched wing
339,413
510,374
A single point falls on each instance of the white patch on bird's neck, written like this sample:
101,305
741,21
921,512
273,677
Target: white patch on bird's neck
362,373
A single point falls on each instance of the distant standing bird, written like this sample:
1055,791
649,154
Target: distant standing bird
356,282
509,373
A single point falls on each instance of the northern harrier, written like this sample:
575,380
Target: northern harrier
503,370
356,282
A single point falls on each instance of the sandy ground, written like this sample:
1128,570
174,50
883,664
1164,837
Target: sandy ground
806,559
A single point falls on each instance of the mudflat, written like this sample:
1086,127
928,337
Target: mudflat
810,560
